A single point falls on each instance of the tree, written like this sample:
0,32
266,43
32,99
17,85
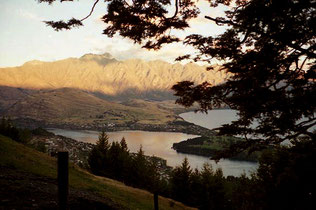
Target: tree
7,128
207,189
98,156
155,184
103,142
181,181
268,50
114,164
124,159
118,159
213,196
138,170
123,145
286,178
243,193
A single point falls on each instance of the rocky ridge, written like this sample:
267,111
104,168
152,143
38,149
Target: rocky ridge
103,74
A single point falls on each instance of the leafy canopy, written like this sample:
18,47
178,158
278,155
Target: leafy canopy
268,50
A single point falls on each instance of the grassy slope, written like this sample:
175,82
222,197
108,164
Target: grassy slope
19,157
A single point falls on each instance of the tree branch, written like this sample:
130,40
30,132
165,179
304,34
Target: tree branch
217,21
307,121
245,38
177,10
95,3
302,65
306,51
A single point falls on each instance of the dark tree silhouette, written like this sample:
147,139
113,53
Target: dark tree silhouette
7,128
103,142
98,156
181,181
268,51
213,196
285,178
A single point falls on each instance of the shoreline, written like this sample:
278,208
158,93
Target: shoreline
173,126
50,143
209,154
176,126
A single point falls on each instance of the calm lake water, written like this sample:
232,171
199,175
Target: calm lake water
214,118
160,143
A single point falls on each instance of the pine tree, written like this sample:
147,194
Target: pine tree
138,170
196,188
213,196
123,145
114,167
97,159
181,182
125,160
153,176
103,142
285,178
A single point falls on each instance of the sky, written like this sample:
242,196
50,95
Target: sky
24,36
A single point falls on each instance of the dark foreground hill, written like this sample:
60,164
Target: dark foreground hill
28,181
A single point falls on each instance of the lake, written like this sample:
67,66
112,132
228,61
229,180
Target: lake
214,118
160,143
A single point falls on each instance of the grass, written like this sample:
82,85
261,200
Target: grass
22,158
214,146
216,142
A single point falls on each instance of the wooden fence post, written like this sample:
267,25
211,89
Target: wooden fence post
62,180
156,201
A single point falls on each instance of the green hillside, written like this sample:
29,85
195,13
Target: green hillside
28,180
209,146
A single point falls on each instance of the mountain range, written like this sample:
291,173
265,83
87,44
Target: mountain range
97,89
107,77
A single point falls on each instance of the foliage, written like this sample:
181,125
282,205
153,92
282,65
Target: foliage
181,181
97,157
138,169
203,189
41,132
33,166
213,188
115,161
242,192
268,49
7,128
214,145
103,142
286,177
284,180
140,20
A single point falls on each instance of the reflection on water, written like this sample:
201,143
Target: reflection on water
159,144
